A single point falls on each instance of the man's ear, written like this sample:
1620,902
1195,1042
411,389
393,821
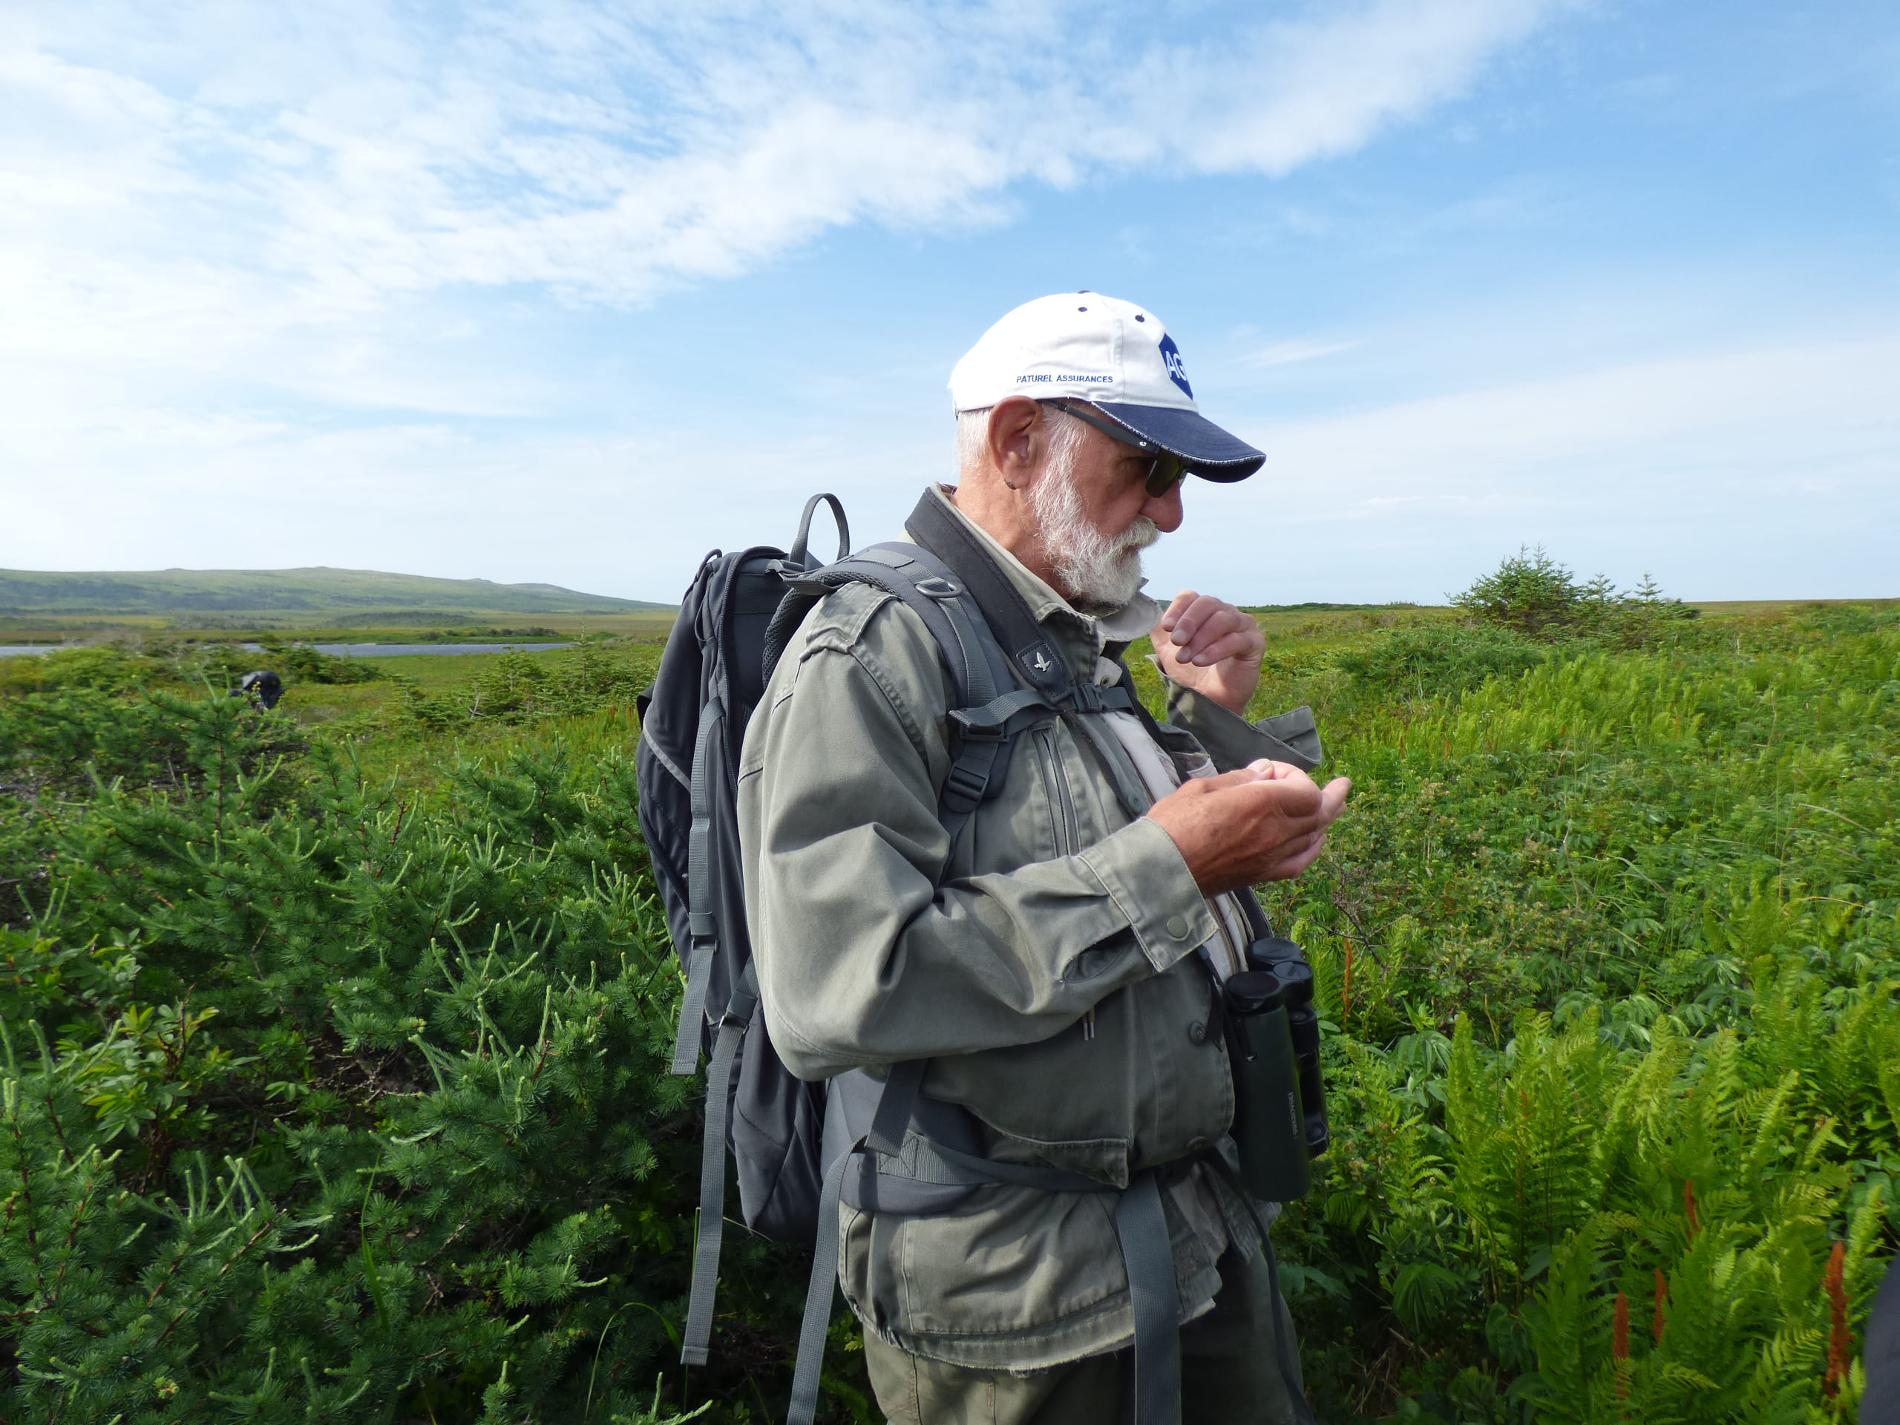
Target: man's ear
1016,439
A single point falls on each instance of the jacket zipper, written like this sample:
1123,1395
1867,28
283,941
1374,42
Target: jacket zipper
1066,833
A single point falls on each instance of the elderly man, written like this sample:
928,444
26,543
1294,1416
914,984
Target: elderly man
1057,964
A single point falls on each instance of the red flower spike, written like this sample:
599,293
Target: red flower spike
1840,1341
1660,1324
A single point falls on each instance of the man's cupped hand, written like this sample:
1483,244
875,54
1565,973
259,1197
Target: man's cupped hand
1266,821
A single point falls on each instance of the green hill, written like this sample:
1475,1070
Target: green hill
339,593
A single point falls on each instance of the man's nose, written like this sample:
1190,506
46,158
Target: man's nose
1166,510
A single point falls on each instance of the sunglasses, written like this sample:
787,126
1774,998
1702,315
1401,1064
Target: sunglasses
1165,470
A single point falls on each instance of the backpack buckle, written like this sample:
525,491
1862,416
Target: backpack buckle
964,788
938,587
972,728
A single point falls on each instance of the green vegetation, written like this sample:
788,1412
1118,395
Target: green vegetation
1532,594
213,665
332,1041
324,1096
1609,944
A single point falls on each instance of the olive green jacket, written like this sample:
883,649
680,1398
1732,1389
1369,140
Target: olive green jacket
1046,972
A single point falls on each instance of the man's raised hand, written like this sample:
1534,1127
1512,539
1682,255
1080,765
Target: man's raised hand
1210,646
1264,822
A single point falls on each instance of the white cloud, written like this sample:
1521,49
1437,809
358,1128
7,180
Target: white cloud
1291,352
610,155
1774,410
1394,59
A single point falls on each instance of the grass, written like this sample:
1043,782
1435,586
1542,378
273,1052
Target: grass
376,720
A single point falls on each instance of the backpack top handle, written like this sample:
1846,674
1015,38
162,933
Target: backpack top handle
796,557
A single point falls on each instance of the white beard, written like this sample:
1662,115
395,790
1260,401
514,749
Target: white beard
1100,572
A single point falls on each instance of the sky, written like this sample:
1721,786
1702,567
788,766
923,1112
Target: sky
571,293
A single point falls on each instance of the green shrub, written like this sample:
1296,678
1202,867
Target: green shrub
71,742
1529,592
524,687
1532,594
295,663
102,670
318,1101
1420,660
1696,845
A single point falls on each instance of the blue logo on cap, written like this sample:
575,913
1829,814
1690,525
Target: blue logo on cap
1177,373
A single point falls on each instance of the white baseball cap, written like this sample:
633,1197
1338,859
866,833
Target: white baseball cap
1116,356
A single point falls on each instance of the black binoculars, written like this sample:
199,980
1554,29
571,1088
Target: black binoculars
1273,1046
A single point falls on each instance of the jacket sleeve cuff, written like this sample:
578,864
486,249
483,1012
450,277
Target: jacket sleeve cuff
1147,878
1233,742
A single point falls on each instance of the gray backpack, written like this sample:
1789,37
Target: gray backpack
734,621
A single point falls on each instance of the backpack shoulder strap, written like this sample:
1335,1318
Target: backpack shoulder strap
987,708
1030,654
1032,657
923,584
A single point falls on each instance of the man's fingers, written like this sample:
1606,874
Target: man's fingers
1290,798
1221,781
1265,822
1176,607
1201,610
1307,852
1302,851
1270,769
1205,653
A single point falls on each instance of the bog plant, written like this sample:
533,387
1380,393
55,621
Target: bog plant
1612,951
328,1098
319,1102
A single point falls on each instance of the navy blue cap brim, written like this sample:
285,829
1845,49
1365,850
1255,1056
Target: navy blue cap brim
1208,451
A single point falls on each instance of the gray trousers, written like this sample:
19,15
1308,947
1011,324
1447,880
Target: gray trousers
1230,1373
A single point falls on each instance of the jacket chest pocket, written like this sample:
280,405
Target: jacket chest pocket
1042,811
1055,788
